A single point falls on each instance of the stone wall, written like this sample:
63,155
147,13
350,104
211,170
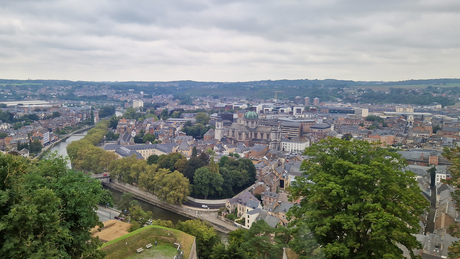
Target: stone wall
193,254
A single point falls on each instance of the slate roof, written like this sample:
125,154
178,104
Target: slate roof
271,221
246,199
320,126
284,207
451,129
290,124
434,245
446,207
270,194
258,147
253,212
122,151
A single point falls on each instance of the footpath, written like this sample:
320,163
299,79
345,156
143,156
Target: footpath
193,213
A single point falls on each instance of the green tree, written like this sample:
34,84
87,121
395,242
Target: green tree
106,111
130,114
47,211
202,118
207,183
432,171
170,160
453,155
153,159
113,122
262,241
164,114
110,136
194,151
192,165
171,187
56,114
138,138
3,135
92,116
357,196
17,125
137,214
36,146
347,136
206,236
106,198
148,137
163,223
436,128
125,200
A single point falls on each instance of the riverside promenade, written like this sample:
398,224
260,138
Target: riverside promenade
208,215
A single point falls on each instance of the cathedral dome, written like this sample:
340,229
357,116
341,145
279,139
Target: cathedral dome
250,115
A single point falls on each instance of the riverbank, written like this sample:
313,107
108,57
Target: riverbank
207,215
49,147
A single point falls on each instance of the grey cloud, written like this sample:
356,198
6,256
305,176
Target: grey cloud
163,40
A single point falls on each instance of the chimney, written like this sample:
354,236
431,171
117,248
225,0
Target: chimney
422,156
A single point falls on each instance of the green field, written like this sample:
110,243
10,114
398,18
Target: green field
126,246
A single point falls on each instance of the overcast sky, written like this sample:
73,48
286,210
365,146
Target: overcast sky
229,40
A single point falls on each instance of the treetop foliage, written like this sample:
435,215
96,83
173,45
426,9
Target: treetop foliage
356,196
46,210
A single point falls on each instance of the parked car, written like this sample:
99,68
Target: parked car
204,206
116,217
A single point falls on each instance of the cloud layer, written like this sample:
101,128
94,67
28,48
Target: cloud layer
229,40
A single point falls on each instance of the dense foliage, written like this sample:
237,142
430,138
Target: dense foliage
106,111
196,131
85,156
260,241
171,187
453,155
356,196
46,210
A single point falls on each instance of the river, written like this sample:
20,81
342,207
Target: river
158,213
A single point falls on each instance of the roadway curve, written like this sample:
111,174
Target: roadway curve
199,205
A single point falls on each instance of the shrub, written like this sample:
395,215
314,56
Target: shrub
134,226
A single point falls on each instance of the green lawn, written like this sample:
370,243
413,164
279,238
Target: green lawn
160,252
126,246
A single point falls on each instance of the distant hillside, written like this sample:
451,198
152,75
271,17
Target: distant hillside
326,90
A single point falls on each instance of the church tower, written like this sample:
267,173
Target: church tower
219,133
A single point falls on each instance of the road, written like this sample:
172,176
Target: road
199,205
106,214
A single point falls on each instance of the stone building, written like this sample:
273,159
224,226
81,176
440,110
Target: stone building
248,131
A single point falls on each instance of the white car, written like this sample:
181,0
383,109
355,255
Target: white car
204,206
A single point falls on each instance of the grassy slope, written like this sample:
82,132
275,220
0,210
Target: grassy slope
127,245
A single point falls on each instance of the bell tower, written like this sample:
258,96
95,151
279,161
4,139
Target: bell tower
219,133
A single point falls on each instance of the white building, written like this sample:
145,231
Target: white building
294,146
363,112
138,104
441,176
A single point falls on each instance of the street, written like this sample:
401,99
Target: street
106,214
198,205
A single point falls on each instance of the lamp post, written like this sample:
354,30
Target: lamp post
110,212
